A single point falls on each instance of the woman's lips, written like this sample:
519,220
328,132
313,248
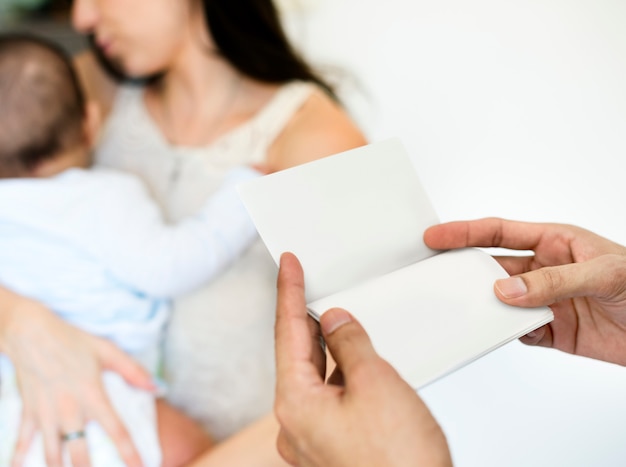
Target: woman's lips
105,46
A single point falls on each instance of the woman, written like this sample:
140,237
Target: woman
220,87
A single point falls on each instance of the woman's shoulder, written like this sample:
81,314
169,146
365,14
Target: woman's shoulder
97,85
319,128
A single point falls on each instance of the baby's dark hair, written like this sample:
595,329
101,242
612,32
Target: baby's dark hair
42,106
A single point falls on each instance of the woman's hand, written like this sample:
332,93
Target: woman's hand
580,275
59,372
366,416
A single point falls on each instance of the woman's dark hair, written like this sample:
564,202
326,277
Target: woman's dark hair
249,34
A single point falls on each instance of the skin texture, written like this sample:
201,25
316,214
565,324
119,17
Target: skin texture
172,38
581,276
366,416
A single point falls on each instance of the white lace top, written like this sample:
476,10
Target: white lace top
219,359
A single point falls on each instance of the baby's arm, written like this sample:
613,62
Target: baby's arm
166,260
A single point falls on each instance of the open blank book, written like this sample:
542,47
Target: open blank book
355,221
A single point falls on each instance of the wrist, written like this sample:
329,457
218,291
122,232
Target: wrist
13,308
7,311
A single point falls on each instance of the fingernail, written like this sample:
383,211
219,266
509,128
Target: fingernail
531,334
512,287
334,319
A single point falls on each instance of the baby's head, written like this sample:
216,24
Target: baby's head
44,126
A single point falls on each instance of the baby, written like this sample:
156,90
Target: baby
89,242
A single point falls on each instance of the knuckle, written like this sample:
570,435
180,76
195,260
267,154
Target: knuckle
370,369
383,370
118,433
351,335
497,235
375,376
281,410
553,279
52,460
92,397
615,266
95,397
125,447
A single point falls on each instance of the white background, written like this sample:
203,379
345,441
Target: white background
514,109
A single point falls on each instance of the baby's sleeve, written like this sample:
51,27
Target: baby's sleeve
165,260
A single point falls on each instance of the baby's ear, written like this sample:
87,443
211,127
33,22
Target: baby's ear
92,122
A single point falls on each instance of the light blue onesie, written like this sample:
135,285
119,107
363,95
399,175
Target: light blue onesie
93,247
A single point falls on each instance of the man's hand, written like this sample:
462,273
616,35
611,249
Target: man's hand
580,275
374,418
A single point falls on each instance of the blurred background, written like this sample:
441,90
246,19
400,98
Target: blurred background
512,109
49,18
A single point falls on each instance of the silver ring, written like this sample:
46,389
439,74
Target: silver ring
73,435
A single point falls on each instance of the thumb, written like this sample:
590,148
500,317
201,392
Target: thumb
114,359
548,285
347,341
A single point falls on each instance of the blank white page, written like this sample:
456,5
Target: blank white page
432,317
347,218
356,222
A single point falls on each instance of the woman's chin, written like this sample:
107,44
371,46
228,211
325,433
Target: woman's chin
136,70
126,70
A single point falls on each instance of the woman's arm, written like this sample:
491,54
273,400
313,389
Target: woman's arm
59,372
318,129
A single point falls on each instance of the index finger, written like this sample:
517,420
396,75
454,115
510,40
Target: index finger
294,345
488,232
